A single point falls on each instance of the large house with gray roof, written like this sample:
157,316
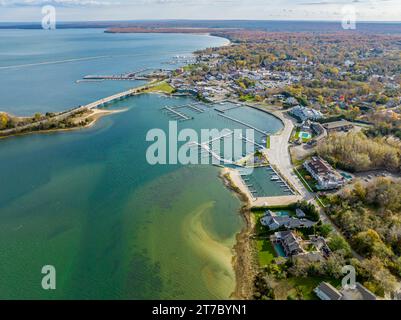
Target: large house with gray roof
290,243
274,221
325,291
303,113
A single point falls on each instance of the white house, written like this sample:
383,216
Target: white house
326,177
303,113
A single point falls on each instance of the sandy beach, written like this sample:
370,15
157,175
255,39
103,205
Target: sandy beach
244,261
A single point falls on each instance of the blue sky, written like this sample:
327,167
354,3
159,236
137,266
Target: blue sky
81,10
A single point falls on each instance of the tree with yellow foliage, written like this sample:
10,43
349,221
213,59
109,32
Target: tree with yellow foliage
3,120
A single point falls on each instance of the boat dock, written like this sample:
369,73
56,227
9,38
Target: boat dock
191,106
206,148
176,114
243,123
123,77
252,141
282,183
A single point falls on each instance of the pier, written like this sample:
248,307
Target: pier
236,106
282,182
229,133
243,123
206,148
126,76
180,115
252,141
191,106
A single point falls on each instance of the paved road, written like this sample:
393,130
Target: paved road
57,117
279,155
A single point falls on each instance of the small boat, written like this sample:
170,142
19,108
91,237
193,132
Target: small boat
275,178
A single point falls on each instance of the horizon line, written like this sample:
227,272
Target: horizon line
197,20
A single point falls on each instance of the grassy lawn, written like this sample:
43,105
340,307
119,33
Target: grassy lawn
297,132
324,200
266,252
268,142
259,228
247,98
306,179
161,87
306,285
297,135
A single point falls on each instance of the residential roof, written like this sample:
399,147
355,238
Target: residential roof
318,165
358,293
289,241
337,124
299,213
328,290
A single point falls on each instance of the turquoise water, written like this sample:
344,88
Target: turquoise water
305,135
282,213
346,175
279,250
88,202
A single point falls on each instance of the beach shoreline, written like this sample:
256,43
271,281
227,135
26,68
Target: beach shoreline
243,259
96,115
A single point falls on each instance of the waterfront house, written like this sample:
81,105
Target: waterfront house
274,221
290,243
324,174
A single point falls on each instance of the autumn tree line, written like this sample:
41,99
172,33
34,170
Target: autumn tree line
357,152
370,217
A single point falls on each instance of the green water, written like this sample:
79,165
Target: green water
87,202
114,226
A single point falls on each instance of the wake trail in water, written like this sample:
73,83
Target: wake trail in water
20,66
52,62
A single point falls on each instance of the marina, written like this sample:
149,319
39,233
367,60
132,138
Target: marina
264,182
176,115
130,76
243,123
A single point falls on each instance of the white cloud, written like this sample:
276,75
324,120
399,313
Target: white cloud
73,10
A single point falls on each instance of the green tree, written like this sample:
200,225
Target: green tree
338,243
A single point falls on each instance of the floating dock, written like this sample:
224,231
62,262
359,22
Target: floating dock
243,123
177,114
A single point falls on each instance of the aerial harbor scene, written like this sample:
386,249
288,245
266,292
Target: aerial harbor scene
231,156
